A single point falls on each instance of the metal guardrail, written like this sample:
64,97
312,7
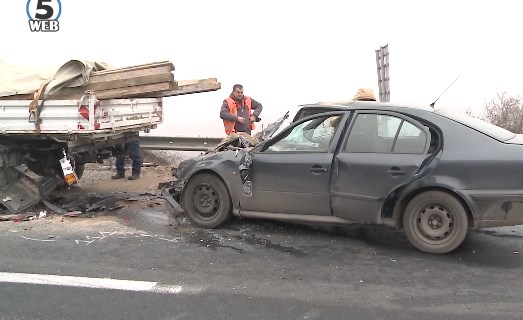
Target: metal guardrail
179,143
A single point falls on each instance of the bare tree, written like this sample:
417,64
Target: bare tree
505,111
469,112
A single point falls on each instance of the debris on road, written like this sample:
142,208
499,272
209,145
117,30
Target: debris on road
107,202
173,208
73,214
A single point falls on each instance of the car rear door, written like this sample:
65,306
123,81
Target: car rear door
381,152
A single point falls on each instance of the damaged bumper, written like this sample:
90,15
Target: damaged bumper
172,195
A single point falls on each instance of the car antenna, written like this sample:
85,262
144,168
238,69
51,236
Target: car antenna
432,104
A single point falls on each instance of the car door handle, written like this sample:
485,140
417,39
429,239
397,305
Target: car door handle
395,171
318,169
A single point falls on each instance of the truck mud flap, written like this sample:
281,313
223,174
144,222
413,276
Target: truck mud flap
28,190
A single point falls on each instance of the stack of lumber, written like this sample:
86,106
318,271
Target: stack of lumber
190,86
152,80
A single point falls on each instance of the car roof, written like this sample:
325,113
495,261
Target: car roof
354,105
421,112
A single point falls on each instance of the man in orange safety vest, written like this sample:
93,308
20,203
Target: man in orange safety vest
239,112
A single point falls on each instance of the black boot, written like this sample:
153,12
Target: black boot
134,176
118,175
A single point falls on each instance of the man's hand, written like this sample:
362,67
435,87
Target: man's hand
241,119
253,118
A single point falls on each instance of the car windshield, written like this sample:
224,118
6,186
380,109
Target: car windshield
477,124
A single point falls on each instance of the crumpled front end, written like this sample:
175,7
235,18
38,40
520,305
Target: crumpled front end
229,165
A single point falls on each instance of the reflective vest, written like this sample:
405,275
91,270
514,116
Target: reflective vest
233,109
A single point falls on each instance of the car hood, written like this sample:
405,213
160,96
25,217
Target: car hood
208,161
242,140
227,151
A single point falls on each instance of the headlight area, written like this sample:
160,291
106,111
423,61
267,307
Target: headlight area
178,186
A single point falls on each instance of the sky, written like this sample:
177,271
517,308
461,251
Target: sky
286,53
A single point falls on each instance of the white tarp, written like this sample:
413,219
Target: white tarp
22,80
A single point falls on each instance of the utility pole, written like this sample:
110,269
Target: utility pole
382,63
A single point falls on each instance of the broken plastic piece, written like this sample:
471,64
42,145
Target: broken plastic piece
72,214
174,210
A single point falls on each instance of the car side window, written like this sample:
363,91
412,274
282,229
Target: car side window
385,134
313,135
410,139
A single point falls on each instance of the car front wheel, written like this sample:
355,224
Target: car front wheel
435,222
206,201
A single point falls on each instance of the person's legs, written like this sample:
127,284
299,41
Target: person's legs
120,163
134,153
120,167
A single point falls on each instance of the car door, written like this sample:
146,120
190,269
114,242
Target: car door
382,151
291,174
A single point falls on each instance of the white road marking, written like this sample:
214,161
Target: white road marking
42,240
97,283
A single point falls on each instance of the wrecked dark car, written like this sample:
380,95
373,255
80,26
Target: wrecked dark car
433,173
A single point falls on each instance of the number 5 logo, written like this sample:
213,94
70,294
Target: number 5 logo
44,9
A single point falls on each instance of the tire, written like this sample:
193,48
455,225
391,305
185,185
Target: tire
206,201
435,222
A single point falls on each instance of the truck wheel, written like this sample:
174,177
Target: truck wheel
206,201
435,222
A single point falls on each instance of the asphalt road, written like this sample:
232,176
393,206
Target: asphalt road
249,270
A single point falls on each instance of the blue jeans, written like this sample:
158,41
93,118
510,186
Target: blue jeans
132,149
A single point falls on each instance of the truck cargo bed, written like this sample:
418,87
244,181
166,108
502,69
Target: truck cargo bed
83,116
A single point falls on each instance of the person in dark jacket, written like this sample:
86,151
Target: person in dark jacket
239,112
131,148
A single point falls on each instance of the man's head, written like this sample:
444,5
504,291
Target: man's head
237,92
364,94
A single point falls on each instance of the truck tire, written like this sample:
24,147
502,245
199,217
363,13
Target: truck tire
435,222
206,201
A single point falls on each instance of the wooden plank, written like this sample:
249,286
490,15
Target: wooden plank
182,83
18,97
147,80
136,67
122,75
144,91
123,83
136,81
147,90
100,83
194,86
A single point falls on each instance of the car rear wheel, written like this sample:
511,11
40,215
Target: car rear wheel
206,201
435,222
